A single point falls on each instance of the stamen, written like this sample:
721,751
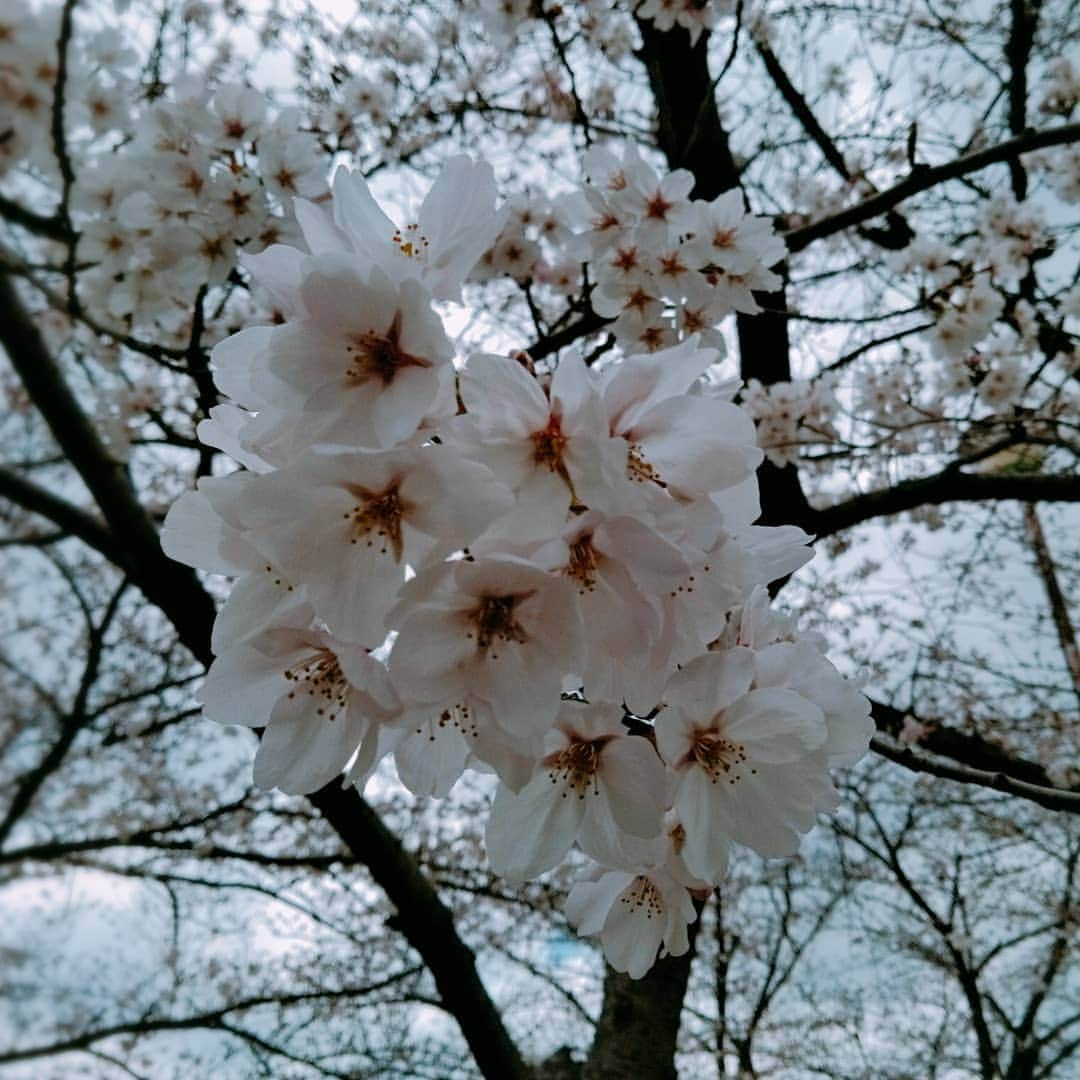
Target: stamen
380,356
494,621
320,676
645,897
719,757
378,514
638,468
582,564
411,242
577,766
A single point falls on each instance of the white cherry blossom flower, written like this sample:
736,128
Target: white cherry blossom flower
690,445
635,915
455,224
498,629
550,447
594,783
367,358
743,759
347,524
316,696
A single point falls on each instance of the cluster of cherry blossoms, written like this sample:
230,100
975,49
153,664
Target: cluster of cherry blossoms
664,266
204,176
552,576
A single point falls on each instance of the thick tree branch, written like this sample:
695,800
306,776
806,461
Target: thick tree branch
173,588
51,228
926,177
429,927
949,485
423,918
962,746
1050,797
69,517
639,1020
1024,16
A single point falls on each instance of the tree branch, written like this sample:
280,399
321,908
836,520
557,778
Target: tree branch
51,228
949,485
1051,798
69,517
173,588
925,177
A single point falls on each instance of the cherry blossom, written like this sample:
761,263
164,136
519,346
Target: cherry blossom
316,695
593,783
743,760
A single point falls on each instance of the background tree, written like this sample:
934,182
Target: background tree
914,381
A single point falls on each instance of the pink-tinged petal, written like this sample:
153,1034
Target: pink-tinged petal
257,600
574,389
503,396
641,382
370,677
242,687
431,757
300,751
524,696
453,498
776,726
459,219
680,913
760,807
675,733
634,928
195,535
634,781
697,445
711,683
399,408
512,758
589,902
379,740
651,560
532,831
426,661
321,235
279,270
600,836
225,429
234,359
358,214
776,551
704,809
784,664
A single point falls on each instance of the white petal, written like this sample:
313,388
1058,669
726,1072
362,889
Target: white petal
776,726
532,831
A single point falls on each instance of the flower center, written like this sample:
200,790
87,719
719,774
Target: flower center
643,896
320,677
377,514
576,766
723,239
638,468
411,242
657,207
582,564
718,756
493,621
379,356
549,445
